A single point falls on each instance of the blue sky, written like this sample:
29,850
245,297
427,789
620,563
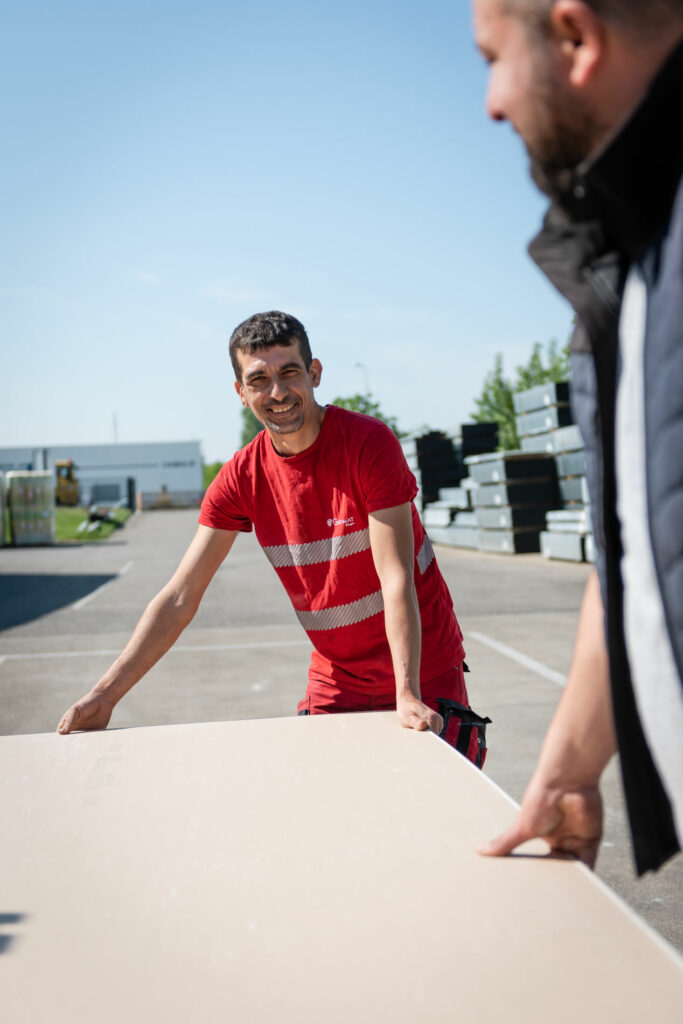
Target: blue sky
171,168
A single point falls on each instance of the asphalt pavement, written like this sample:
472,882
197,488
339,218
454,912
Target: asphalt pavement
66,612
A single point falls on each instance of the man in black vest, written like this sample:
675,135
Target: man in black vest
594,89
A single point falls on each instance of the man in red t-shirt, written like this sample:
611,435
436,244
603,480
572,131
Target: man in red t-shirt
330,497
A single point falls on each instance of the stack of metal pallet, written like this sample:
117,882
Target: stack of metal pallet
450,518
544,423
474,439
569,532
434,462
437,460
516,490
539,413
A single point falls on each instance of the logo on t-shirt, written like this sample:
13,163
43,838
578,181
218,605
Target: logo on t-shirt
340,522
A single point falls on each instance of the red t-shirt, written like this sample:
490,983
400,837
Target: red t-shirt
310,512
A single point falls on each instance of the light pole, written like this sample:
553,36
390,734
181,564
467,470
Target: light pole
363,367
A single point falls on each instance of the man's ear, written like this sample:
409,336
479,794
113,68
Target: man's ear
582,37
240,394
316,371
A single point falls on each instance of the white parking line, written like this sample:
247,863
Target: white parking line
77,605
179,649
522,659
508,652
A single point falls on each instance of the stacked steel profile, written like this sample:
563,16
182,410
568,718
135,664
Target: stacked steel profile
516,490
449,518
438,462
544,423
531,499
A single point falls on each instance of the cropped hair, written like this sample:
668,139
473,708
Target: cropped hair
644,16
265,330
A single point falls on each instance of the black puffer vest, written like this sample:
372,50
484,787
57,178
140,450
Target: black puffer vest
626,206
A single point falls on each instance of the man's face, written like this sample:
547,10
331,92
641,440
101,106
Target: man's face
528,86
278,388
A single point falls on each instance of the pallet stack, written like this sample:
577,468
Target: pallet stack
539,412
31,504
544,423
516,490
569,534
434,463
571,466
474,439
438,461
565,534
450,520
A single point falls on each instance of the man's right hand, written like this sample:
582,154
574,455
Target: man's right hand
91,712
570,820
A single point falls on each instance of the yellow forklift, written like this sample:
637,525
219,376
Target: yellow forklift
66,490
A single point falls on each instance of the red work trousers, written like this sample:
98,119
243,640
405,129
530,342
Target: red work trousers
328,699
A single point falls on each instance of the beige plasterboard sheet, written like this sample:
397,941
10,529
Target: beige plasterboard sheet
309,870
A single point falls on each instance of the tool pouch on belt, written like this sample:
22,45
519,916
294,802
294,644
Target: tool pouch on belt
464,729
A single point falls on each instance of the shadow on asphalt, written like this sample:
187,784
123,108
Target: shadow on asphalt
26,596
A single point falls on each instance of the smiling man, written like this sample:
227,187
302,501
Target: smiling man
594,91
330,497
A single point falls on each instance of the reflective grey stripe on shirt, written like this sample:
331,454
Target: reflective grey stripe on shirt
283,556
343,614
425,555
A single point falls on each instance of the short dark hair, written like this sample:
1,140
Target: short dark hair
265,330
630,15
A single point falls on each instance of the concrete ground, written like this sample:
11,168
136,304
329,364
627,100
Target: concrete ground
65,612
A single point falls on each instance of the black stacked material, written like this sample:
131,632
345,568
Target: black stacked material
475,439
515,491
434,462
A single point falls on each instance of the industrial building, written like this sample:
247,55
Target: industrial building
153,474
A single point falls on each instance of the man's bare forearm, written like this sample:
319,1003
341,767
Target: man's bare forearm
160,625
581,739
392,543
404,634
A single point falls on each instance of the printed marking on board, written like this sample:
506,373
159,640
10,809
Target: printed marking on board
521,659
77,605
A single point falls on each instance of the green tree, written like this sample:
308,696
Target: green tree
209,471
536,371
366,404
495,403
250,426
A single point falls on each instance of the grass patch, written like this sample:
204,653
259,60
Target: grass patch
69,519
